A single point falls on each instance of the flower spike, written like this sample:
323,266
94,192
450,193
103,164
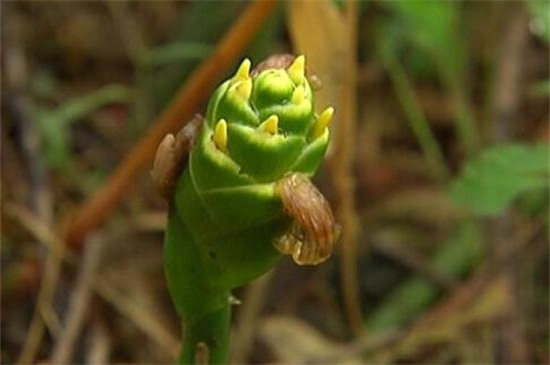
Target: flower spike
234,204
220,135
322,122
270,125
297,70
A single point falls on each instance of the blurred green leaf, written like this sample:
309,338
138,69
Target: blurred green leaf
200,27
499,175
176,52
431,26
458,254
425,33
200,22
434,27
541,88
53,124
417,119
429,23
540,18
534,203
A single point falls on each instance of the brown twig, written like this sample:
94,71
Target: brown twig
243,338
505,107
141,317
49,280
134,41
508,84
341,167
468,293
186,102
41,199
79,303
138,315
99,345
129,30
522,241
416,262
22,107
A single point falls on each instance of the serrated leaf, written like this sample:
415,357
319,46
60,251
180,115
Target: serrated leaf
489,183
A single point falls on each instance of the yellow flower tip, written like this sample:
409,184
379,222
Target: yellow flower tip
322,122
298,95
297,70
270,125
243,89
220,135
243,72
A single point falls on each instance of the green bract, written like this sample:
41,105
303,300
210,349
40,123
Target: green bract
226,212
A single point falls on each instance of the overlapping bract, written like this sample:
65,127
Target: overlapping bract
257,130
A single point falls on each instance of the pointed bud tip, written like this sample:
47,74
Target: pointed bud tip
270,125
220,135
327,114
243,72
322,122
297,69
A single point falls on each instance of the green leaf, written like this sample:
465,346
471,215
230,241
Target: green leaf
433,27
429,23
430,26
176,52
499,175
540,88
54,123
458,254
540,21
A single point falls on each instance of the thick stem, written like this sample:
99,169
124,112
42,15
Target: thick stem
206,310
211,330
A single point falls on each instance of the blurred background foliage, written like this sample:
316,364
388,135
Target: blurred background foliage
446,119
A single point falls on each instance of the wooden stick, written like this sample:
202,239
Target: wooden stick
186,102
79,303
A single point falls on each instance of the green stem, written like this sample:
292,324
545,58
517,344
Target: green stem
418,122
212,330
465,119
206,310
453,74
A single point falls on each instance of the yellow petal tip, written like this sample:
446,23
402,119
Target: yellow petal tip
297,70
243,72
322,122
220,135
270,125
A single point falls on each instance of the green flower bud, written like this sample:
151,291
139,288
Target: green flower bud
227,212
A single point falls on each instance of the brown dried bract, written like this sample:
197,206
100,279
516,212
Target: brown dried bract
171,157
283,60
314,232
